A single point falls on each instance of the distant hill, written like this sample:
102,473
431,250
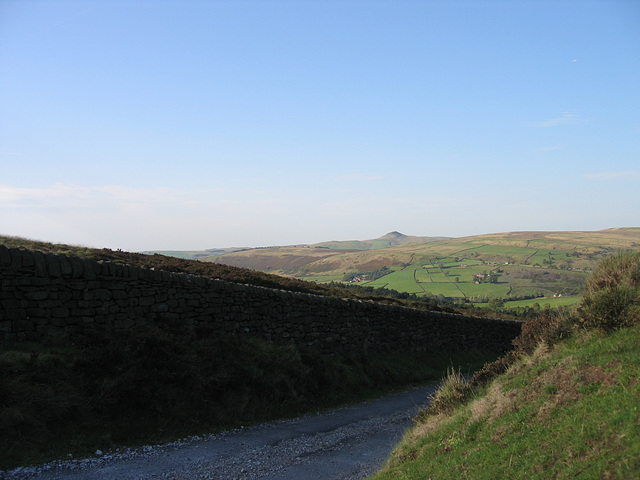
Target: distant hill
396,249
320,257
193,254
391,239
512,266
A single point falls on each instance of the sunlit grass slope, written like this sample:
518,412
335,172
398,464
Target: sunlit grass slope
572,412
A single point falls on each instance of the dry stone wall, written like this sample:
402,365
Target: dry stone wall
45,295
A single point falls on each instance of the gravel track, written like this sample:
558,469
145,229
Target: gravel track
347,443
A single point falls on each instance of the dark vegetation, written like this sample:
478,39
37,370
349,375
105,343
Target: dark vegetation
423,302
160,384
381,272
428,301
612,294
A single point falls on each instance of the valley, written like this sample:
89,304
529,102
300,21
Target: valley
513,270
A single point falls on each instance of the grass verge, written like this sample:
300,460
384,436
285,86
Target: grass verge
572,412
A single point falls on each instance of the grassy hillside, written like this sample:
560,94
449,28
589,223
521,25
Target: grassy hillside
566,405
515,266
572,412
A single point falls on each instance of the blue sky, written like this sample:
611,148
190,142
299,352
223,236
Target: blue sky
197,124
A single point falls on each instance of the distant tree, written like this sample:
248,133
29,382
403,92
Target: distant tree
496,303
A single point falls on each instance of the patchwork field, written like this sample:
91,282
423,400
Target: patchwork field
520,268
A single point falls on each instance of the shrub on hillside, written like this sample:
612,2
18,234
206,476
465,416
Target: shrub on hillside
453,392
611,297
550,328
492,369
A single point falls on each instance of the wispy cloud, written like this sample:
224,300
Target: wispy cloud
80,195
9,193
628,175
358,177
564,119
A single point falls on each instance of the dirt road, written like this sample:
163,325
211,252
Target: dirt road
348,443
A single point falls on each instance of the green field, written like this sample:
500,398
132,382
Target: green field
447,289
516,273
552,302
516,265
488,289
456,279
401,280
323,278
